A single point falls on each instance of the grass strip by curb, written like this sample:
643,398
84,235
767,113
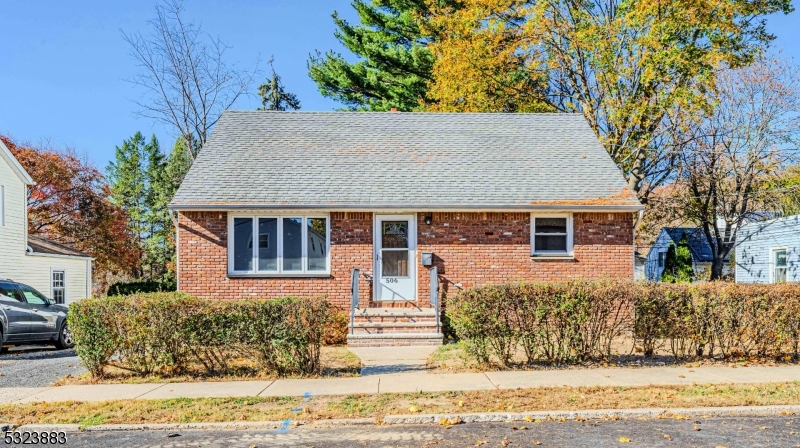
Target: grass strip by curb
442,419
377,406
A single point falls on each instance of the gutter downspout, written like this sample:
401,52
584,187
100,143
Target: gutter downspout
638,221
174,219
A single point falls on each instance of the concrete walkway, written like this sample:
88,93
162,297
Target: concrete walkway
407,382
377,360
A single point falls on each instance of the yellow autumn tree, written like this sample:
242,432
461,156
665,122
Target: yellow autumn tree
639,70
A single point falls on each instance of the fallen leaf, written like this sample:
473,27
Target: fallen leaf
480,442
461,403
413,409
527,418
624,439
523,428
505,442
681,376
536,442
667,436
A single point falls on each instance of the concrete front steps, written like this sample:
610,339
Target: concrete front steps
392,327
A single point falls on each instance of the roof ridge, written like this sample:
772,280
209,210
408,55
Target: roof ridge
371,112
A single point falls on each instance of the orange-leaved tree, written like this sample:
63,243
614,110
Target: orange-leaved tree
69,204
638,70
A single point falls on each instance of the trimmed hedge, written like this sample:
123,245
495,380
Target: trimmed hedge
575,321
166,332
143,286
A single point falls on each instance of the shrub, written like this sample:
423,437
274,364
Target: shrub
141,286
335,330
577,320
166,332
556,322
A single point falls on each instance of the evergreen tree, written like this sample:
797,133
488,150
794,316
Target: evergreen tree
129,178
175,169
143,182
394,67
678,262
274,96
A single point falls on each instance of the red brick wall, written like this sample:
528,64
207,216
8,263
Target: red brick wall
469,249
203,261
473,249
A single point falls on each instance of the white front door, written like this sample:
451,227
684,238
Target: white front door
395,257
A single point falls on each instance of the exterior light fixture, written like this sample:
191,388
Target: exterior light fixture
428,219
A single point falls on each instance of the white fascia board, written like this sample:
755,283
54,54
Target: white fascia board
15,165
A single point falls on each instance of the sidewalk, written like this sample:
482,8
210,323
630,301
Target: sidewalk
407,382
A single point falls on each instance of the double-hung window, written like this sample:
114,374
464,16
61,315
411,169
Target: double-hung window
281,244
551,235
58,285
779,264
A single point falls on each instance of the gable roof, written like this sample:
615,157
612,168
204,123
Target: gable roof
397,160
46,246
12,161
698,244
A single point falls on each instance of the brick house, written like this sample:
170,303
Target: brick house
290,203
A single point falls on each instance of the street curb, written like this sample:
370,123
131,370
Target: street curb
591,414
48,428
476,417
218,425
339,422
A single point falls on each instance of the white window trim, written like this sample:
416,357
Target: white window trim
52,285
551,253
772,266
279,241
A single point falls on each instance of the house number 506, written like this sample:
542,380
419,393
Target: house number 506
391,280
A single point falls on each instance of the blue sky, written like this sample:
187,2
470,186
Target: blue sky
62,79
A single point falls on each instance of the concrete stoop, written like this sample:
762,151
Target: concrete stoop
394,327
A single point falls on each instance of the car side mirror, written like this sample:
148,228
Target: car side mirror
50,302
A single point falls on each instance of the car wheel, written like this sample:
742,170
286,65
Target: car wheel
65,339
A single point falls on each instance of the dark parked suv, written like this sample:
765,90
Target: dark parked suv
27,316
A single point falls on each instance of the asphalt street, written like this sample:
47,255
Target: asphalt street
778,431
33,366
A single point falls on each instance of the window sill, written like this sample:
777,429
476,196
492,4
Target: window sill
565,257
281,275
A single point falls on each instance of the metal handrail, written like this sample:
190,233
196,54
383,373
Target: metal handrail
354,299
434,271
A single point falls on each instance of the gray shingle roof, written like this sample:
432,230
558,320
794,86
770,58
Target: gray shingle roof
362,160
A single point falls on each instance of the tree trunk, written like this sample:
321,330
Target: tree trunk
716,268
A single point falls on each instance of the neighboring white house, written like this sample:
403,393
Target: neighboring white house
769,251
55,270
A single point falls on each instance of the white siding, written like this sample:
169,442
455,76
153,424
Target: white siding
38,275
12,234
754,245
33,270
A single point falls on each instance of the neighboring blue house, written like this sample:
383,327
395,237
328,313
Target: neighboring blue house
698,245
769,251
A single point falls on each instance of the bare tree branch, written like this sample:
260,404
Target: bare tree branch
187,81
